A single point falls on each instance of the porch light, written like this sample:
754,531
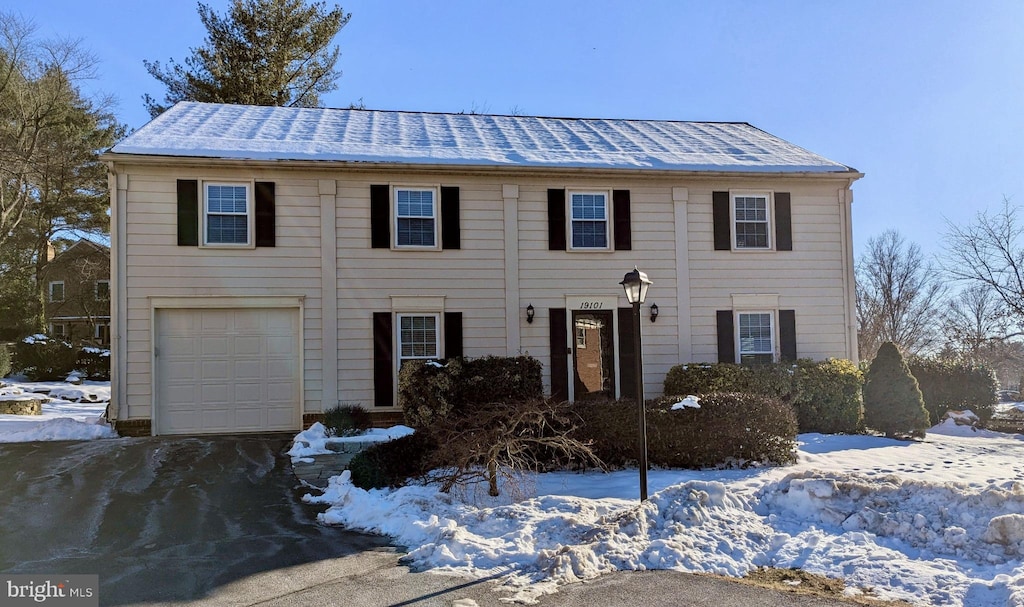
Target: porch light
654,312
529,313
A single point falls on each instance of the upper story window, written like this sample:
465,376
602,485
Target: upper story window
227,214
415,218
57,291
102,290
588,218
418,337
751,217
756,337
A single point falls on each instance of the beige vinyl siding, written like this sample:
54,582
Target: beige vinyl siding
471,279
808,279
157,267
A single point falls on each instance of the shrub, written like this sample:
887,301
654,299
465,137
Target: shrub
5,360
775,380
347,420
391,463
954,385
827,396
431,393
44,359
892,399
94,363
728,428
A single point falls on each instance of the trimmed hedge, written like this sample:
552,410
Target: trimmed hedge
826,394
390,463
44,359
347,420
729,428
430,392
954,385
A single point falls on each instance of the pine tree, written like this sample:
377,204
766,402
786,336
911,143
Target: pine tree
892,399
263,52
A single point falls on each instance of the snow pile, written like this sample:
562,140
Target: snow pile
60,428
691,401
939,521
315,440
69,412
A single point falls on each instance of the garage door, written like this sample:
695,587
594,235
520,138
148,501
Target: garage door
227,370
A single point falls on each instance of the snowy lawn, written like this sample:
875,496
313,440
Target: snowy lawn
939,521
70,412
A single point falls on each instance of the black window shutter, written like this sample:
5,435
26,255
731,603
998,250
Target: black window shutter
265,219
726,337
627,354
623,227
450,238
383,364
559,366
380,217
452,334
783,222
787,334
720,213
188,213
556,221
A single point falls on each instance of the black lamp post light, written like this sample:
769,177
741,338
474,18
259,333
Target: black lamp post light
635,284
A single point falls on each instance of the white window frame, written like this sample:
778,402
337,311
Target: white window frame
98,328
436,218
63,329
63,291
96,290
607,218
769,214
773,328
250,215
439,336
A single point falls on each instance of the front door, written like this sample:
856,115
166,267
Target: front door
593,354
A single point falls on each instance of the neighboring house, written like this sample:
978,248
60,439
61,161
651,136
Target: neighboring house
270,263
77,283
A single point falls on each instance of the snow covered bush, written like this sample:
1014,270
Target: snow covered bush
347,420
94,363
827,396
41,358
892,399
729,428
954,385
391,463
430,392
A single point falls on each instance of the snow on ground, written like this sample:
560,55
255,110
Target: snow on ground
940,521
315,440
74,412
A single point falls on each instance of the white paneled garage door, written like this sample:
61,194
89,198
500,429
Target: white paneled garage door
227,370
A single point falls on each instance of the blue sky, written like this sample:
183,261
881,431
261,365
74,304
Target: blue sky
925,97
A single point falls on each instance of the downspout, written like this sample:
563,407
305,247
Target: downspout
118,185
845,199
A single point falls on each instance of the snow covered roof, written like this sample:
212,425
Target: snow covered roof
210,130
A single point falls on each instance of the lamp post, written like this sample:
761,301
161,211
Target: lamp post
635,284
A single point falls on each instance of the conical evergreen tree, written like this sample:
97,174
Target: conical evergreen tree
892,399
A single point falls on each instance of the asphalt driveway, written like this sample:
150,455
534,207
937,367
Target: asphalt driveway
161,519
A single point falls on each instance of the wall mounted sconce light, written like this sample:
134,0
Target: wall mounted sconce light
654,312
529,313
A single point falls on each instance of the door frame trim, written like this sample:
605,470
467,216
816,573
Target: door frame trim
584,303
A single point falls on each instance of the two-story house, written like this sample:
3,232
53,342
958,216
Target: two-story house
269,263
77,297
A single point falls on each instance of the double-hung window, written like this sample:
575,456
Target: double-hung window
57,291
750,213
228,214
588,218
418,337
415,218
102,290
756,337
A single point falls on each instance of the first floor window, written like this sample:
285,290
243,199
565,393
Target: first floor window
57,291
588,212
751,216
59,330
102,333
415,218
227,212
102,290
756,338
418,337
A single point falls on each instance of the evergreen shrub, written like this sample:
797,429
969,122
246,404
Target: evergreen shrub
93,363
827,396
5,360
892,399
42,358
391,463
347,420
954,385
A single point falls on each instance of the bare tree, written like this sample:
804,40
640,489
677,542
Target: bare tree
974,319
898,297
